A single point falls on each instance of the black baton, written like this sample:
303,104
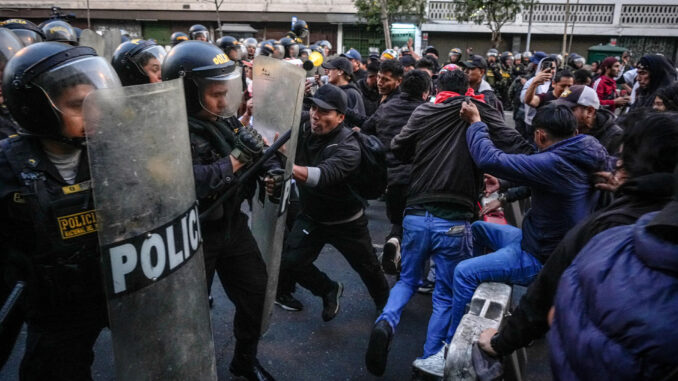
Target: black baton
11,301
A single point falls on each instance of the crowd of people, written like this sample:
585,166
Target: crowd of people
594,148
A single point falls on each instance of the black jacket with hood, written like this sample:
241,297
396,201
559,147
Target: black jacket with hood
434,141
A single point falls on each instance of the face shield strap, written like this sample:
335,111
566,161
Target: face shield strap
50,62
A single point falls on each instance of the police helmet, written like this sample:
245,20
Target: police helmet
138,62
389,54
198,30
527,54
300,29
250,42
202,65
9,45
431,50
505,56
290,46
266,48
78,33
36,81
60,31
492,53
576,61
178,37
228,43
27,32
517,56
325,44
455,52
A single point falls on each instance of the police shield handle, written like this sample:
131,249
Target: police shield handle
149,233
278,89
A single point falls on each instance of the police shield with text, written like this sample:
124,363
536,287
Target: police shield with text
222,148
49,235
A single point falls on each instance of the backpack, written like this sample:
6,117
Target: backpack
369,181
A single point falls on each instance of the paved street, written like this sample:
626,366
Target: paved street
300,346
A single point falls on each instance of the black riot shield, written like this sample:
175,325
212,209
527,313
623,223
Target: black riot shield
278,91
149,233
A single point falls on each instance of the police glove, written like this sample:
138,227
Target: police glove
248,145
274,181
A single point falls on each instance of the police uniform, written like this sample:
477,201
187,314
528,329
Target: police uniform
229,247
50,230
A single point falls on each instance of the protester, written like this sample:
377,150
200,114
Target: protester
646,185
599,332
562,195
368,88
340,74
582,77
441,199
561,83
666,99
475,68
606,85
356,60
331,212
654,72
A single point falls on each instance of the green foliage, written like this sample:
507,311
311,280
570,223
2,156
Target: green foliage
369,11
493,13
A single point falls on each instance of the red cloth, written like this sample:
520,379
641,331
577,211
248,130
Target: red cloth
606,88
443,95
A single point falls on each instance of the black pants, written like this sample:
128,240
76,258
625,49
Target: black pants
396,200
353,241
235,257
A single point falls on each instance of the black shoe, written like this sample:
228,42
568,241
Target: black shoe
288,302
377,349
252,372
331,302
390,260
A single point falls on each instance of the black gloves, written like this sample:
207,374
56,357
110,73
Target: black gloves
248,145
278,177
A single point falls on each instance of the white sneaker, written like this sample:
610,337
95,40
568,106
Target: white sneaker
390,260
434,364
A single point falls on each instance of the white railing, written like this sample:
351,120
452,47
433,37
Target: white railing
601,13
649,14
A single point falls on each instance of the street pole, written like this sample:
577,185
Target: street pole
384,24
567,17
529,28
574,19
89,25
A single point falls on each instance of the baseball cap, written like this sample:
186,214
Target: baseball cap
341,63
352,54
579,95
408,61
330,97
474,61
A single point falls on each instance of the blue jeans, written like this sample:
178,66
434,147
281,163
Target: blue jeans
424,237
508,263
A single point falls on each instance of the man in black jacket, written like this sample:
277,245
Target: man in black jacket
649,156
441,202
340,73
368,87
386,123
330,211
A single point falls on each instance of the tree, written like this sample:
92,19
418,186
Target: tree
217,5
493,13
379,14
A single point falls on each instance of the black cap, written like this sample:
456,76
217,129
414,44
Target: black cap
431,49
330,97
474,61
408,61
341,63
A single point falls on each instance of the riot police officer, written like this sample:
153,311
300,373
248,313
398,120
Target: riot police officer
27,32
221,147
178,37
199,32
231,46
60,31
44,184
299,31
138,62
455,55
251,46
9,46
291,47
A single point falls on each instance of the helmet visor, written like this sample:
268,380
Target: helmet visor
279,52
67,85
294,51
201,35
150,60
28,37
9,45
220,95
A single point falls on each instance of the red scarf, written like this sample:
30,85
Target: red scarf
443,95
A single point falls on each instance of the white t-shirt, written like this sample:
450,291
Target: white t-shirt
66,164
529,110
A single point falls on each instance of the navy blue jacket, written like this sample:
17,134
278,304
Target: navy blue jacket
559,178
617,308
